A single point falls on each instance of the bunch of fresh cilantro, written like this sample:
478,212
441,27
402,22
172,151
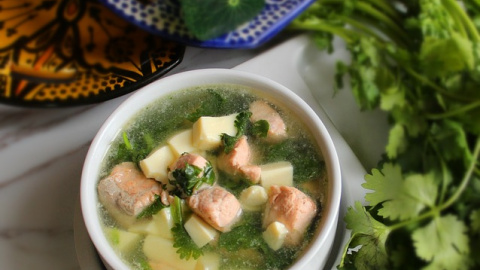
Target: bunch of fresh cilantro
418,60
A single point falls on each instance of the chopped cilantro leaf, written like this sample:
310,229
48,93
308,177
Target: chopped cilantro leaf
246,235
188,179
186,248
215,103
304,158
241,123
152,209
127,151
260,128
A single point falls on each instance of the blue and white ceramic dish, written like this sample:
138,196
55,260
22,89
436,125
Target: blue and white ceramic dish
162,17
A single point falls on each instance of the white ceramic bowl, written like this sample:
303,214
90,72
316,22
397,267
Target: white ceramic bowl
314,257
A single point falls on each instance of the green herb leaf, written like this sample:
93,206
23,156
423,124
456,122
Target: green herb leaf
260,128
475,221
443,243
189,178
184,244
396,141
152,209
417,192
242,237
304,158
451,140
442,57
216,102
371,235
385,183
402,198
207,19
127,151
241,123
186,248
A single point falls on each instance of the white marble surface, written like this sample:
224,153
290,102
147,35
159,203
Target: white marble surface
42,151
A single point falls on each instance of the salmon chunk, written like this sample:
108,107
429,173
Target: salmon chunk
216,206
251,172
237,162
191,159
292,208
128,189
262,111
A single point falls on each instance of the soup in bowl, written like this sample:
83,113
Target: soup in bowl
212,169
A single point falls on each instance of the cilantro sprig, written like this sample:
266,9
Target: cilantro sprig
153,208
419,61
185,246
244,126
241,123
190,178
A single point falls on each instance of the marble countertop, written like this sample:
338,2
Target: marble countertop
42,153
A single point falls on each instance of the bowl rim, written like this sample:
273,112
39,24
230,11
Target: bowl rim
209,76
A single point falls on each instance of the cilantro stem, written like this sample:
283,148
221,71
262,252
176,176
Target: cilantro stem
383,18
386,8
466,178
318,25
453,6
455,112
379,11
128,145
356,24
176,209
459,23
368,6
434,86
436,210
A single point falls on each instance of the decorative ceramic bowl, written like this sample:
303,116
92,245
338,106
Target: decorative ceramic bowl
323,237
62,53
163,17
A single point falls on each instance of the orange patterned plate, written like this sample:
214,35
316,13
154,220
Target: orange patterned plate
58,53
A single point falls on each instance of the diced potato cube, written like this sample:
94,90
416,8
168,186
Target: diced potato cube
275,235
209,261
144,227
156,164
164,222
253,198
207,130
161,251
122,240
181,143
278,173
200,232
160,225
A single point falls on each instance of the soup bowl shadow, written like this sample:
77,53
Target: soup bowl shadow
316,254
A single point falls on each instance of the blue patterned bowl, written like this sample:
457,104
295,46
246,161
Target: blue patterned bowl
162,17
